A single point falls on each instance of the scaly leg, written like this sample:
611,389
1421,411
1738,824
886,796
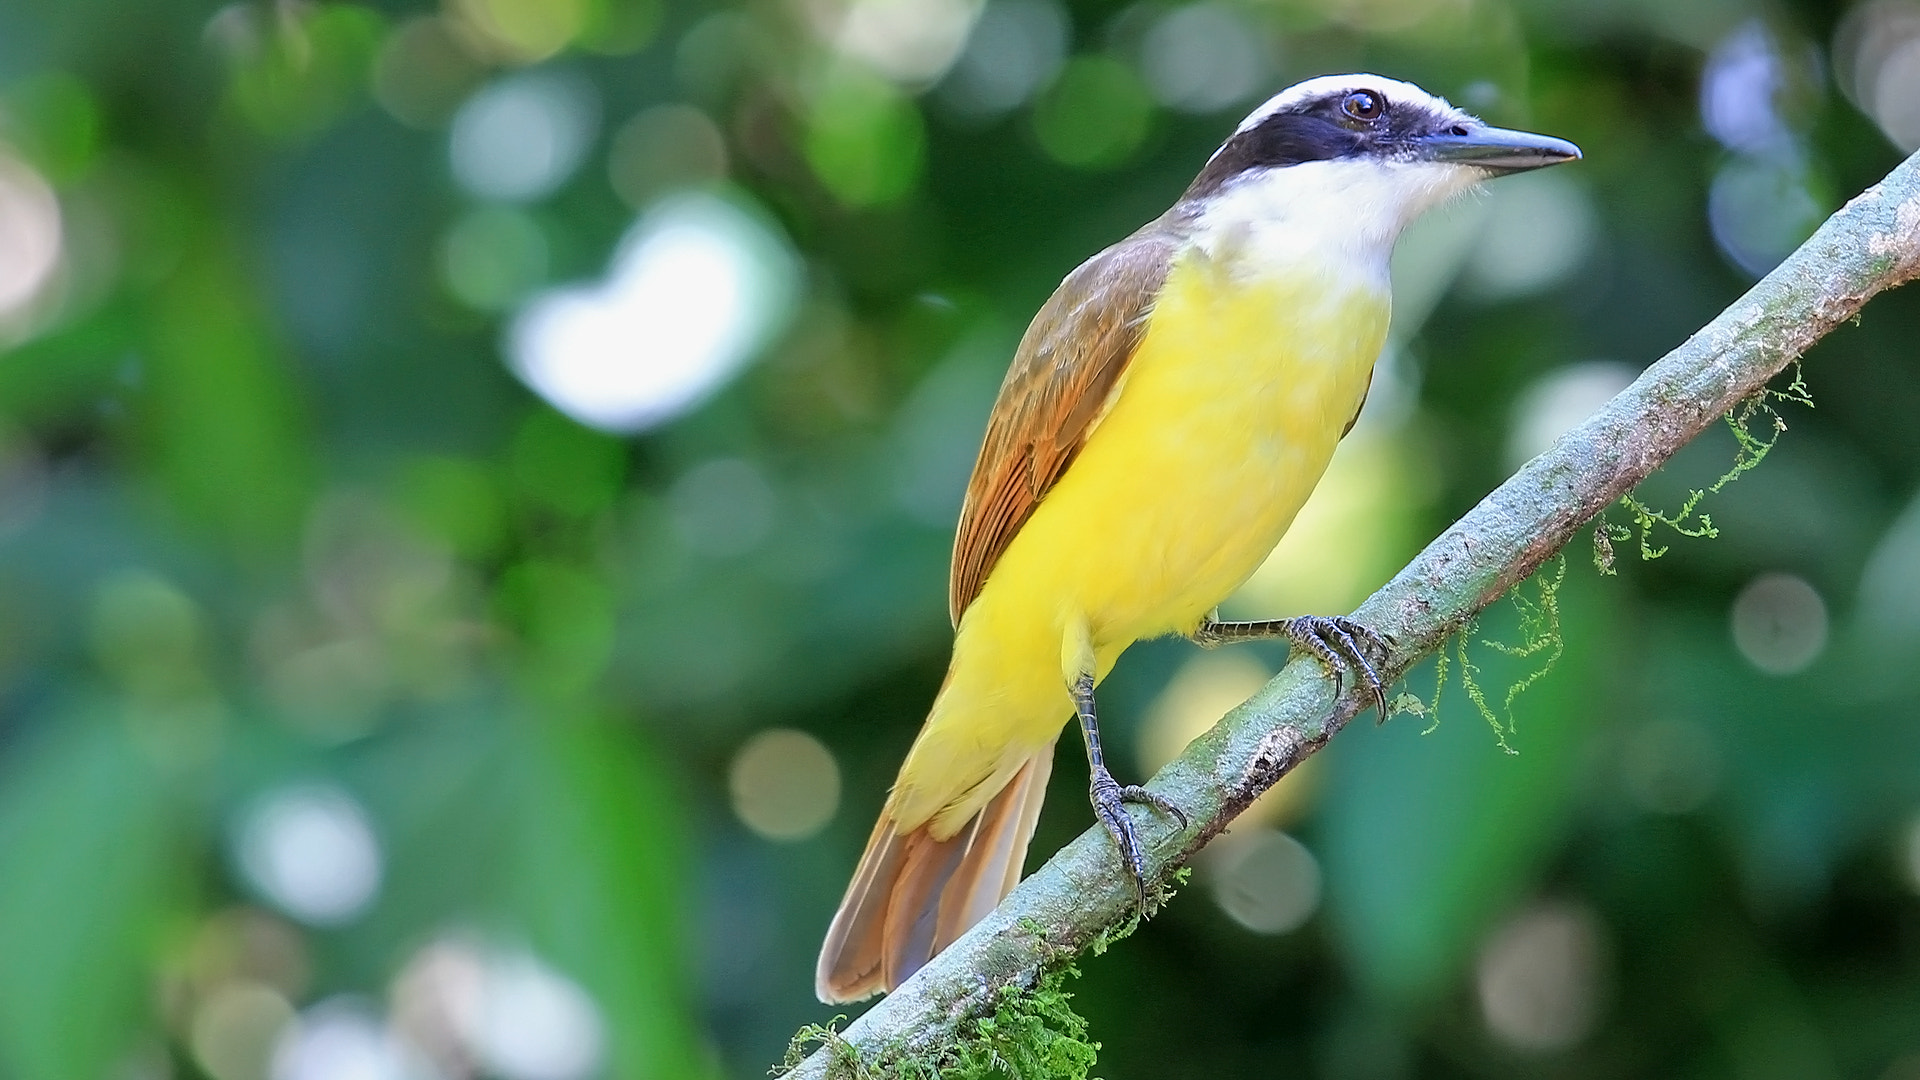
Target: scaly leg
1339,643
1110,797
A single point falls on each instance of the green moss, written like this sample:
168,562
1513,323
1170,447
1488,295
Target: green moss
1752,450
1032,1034
1539,637
843,1059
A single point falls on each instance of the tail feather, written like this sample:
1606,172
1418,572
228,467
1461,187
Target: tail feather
997,850
910,933
914,895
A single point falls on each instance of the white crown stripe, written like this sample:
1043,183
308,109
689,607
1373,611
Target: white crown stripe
1395,90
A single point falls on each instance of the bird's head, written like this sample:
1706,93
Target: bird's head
1379,148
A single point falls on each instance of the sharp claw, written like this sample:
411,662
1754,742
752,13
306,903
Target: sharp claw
1341,644
1342,639
1364,666
1109,802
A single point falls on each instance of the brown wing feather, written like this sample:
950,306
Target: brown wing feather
1059,384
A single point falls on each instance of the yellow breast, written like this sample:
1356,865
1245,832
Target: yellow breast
1228,416
1223,423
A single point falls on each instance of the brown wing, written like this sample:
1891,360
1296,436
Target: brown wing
1063,374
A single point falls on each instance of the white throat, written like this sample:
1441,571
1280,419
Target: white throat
1341,216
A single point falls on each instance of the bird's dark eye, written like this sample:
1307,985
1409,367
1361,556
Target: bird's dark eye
1364,105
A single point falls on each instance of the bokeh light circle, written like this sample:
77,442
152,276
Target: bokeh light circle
1559,401
30,235
519,138
1540,978
1267,881
311,851
784,784
1780,623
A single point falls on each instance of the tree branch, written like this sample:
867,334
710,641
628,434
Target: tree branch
1871,244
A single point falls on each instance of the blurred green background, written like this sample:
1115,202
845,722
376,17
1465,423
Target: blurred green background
476,483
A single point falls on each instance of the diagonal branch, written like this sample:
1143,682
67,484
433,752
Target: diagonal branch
1871,244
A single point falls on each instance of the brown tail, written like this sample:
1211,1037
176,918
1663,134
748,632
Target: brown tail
913,894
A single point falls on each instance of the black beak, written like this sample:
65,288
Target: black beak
1497,150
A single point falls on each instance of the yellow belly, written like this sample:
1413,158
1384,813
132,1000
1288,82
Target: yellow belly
1227,417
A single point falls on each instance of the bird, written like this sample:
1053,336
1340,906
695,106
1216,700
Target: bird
1165,415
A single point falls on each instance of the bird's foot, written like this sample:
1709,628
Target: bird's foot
1336,641
1109,798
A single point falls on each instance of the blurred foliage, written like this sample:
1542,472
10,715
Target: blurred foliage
362,710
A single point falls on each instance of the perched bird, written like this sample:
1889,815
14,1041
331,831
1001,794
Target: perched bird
1167,413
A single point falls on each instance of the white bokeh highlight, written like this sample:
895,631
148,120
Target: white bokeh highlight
1896,95
1204,57
1540,229
1877,53
784,784
1559,401
234,1028
344,1039
1761,208
1740,89
909,41
475,1006
30,235
519,138
311,851
696,287
1016,47
533,1023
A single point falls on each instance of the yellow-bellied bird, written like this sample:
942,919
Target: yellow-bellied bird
1166,415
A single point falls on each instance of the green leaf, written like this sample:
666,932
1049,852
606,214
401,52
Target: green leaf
305,69
89,867
221,413
599,880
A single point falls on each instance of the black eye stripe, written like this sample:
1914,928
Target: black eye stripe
1280,140
1324,128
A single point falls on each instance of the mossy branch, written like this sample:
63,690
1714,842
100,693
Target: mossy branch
1871,244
